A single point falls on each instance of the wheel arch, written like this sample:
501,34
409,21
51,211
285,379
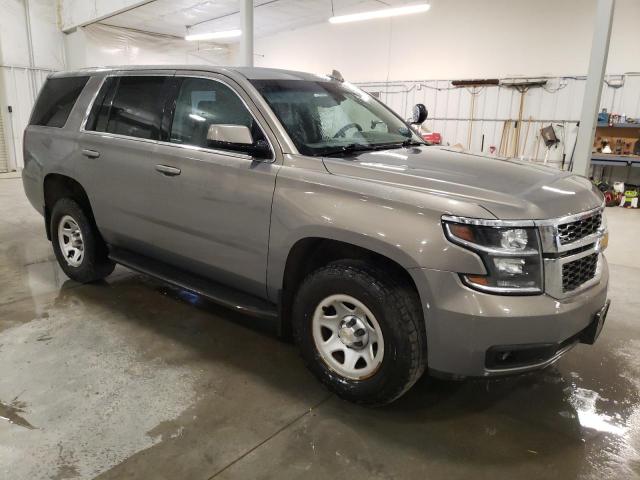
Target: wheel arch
310,253
57,186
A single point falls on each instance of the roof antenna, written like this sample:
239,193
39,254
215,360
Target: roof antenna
337,76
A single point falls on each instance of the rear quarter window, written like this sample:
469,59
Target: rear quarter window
132,106
136,110
56,100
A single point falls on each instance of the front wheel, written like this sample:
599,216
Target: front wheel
360,331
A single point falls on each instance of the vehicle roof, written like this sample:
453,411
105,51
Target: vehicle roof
251,73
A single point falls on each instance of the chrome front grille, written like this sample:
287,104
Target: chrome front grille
572,252
577,272
573,231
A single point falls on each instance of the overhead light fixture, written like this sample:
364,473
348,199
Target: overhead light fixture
384,13
213,35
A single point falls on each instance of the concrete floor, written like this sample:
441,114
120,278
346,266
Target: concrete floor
132,379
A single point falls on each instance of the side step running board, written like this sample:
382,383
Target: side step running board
218,293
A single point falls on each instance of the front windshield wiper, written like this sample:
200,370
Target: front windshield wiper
350,148
361,147
410,142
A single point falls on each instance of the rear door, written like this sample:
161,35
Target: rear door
224,206
119,142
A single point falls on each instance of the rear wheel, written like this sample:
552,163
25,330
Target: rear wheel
77,244
360,331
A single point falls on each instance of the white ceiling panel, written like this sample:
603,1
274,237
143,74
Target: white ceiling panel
173,17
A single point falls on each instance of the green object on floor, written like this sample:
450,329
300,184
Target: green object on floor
630,199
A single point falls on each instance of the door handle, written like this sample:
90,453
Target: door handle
90,153
167,170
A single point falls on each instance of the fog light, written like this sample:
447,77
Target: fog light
504,356
510,266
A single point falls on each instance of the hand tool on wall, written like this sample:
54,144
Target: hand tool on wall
474,87
522,87
526,137
550,138
501,145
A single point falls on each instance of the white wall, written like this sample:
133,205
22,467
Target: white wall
455,39
412,59
558,103
19,81
94,45
460,39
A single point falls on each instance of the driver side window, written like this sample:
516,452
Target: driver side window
202,103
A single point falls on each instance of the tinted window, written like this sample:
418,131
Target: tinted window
57,98
202,103
99,115
136,109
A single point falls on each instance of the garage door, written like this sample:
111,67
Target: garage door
4,157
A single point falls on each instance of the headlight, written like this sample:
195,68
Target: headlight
511,255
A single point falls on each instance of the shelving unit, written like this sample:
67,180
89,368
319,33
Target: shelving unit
618,125
612,160
630,132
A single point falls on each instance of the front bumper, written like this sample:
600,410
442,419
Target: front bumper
463,325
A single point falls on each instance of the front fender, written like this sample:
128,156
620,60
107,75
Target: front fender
400,224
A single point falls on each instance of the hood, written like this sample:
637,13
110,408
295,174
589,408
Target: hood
509,189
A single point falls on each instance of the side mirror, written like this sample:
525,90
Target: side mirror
261,150
238,134
419,114
239,138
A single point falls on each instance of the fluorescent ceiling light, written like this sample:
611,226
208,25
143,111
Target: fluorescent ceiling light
387,12
213,35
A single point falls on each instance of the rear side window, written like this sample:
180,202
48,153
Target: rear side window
57,98
134,108
99,116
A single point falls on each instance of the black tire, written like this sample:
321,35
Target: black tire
397,309
95,265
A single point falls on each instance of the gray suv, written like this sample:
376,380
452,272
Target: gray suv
303,199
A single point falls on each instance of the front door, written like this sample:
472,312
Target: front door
224,208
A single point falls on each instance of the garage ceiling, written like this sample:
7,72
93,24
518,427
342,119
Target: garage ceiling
171,17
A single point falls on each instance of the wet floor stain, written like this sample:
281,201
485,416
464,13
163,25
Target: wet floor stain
66,472
67,468
12,413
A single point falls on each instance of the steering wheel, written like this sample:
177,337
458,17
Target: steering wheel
343,130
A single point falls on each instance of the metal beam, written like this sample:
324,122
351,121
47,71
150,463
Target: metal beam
593,87
246,41
32,62
230,14
105,15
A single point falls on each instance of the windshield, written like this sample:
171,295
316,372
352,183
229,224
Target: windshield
325,117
